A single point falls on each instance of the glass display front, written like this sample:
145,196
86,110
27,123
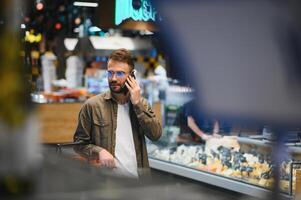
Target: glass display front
243,155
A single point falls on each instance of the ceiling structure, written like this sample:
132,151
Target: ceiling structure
64,18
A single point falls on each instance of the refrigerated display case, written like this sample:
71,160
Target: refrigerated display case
239,162
250,172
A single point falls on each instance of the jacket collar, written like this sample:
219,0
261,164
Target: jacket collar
108,95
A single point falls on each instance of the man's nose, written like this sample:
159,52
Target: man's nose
113,76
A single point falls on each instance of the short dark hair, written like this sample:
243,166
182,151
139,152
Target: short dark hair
122,55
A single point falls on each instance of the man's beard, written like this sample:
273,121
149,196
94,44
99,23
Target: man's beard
123,89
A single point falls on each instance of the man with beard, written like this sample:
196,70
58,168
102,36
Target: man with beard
112,126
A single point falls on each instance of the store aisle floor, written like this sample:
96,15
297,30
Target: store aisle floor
184,188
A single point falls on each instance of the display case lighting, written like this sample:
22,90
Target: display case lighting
85,4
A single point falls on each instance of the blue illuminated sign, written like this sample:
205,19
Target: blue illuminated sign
125,10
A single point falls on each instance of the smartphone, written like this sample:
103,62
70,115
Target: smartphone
124,89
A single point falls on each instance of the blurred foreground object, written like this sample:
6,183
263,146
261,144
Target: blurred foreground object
243,60
18,127
243,57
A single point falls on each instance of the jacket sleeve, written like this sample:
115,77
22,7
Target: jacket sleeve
147,119
83,134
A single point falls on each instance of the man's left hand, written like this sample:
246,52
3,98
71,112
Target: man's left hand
134,90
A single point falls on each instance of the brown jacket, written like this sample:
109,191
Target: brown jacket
97,124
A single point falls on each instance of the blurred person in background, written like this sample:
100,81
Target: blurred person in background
113,125
159,79
195,126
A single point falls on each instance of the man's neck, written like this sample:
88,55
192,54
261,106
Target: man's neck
120,98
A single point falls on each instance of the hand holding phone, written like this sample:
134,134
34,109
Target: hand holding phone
124,87
133,87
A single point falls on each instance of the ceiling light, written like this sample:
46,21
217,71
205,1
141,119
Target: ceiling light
94,29
85,4
77,21
39,5
58,26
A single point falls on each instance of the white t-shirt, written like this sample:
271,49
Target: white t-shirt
125,153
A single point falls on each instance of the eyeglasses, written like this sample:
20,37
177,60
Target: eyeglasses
119,74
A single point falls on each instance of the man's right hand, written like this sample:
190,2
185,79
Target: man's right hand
106,159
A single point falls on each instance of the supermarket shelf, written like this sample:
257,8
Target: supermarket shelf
212,179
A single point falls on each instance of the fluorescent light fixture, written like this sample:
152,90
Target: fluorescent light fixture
146,32
85,4
94,29
70,43
111,43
